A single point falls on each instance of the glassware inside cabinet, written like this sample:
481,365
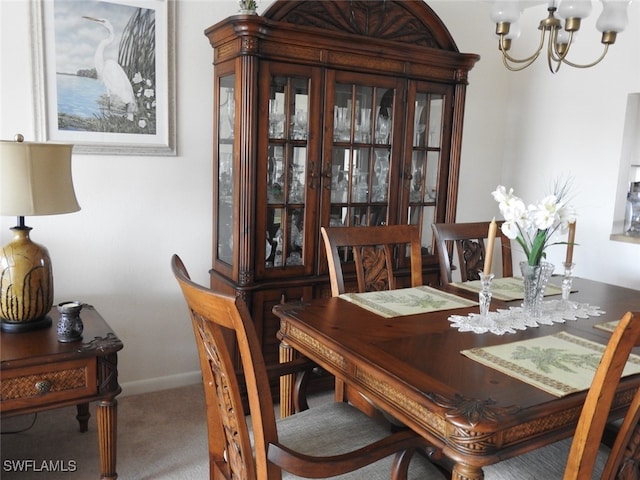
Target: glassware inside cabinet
424,177
297,175
380,183
285,237
339,175
275,174
225,203
360,186
227,108
276,116
360,160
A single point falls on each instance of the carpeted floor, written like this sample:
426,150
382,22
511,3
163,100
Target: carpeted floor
161,435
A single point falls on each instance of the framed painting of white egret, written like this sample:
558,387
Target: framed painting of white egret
104,75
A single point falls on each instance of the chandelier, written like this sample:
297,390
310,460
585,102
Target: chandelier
558,34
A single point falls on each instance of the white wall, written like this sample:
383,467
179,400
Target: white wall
521,129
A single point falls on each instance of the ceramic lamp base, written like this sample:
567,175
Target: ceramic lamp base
26,283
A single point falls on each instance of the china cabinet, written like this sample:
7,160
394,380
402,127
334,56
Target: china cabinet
328,113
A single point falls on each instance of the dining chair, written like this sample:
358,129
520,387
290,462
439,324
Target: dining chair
330,439
375,251
585,457
468,241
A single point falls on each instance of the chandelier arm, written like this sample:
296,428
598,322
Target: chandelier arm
552,61
529,60
520,64
553,51
587,65
517,68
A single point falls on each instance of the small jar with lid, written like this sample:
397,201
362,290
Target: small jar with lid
632,213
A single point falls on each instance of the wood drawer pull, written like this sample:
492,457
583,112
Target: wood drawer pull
43,386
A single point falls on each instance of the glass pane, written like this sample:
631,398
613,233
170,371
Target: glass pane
338,216
435,121
227,111
339,175
359,216
431,182
418,166
275,237
380,184
360,178
299,115
383,116
377,216
342,113
276,107
297,175
423,216
420,120
275,174
363,114
225,213
295,237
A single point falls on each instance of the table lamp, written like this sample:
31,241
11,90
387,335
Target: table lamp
35,179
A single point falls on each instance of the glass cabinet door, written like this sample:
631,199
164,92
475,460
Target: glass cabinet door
225,213
360,119
288,171
426,175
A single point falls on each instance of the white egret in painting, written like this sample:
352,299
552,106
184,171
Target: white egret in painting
110,72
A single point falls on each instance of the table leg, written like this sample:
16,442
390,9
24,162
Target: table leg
466,472
286,354
83,416
107,414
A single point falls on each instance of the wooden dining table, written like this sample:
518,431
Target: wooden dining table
412,368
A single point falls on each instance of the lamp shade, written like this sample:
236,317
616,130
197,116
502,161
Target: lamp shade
35,179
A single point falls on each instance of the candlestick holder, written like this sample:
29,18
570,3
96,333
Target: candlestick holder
567,281
484,299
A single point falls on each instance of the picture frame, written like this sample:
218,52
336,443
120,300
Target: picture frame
104,75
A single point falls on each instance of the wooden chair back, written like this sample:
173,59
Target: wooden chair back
623,458
216,318
375,252
468,240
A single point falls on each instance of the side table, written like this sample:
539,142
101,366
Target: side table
39,373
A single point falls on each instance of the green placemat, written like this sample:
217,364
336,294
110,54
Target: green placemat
607,326
407,301
506,288
559,364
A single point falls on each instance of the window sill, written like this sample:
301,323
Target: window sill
620,237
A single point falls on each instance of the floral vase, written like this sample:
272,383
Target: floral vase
535,278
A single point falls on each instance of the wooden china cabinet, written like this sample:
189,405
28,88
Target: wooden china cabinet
328,113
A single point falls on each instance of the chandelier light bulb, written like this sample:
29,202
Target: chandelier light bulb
574,8
614,16
505,11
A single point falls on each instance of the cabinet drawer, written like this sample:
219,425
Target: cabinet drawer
42,384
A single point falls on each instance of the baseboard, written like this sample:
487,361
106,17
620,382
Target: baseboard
160,383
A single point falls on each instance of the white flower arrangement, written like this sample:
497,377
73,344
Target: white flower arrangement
534,226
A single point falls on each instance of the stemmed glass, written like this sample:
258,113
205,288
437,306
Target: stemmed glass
382,127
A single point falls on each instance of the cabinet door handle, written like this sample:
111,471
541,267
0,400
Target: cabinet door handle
43,386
